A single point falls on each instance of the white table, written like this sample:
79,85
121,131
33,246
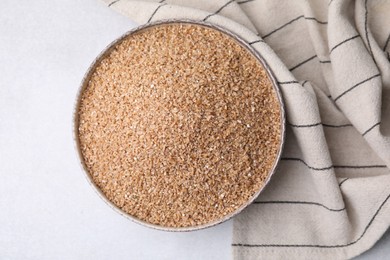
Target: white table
47,209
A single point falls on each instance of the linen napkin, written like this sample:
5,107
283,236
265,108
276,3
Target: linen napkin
330,197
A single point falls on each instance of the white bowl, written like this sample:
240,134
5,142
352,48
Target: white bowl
106,51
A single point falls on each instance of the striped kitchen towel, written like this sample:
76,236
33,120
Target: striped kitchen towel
330,198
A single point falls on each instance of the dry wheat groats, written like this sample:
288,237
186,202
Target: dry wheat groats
179,125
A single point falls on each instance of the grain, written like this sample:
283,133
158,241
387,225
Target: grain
179,125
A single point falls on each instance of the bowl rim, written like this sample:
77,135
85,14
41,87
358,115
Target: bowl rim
107,50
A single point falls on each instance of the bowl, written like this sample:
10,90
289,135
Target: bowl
107,51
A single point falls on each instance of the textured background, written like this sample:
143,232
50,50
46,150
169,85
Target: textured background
47,209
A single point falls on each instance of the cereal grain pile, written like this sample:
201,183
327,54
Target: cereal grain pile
179,125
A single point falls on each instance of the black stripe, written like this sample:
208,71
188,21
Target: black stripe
284,25
219,10
303,62
321,246
246,1
369,129
324,61
359,166
386,43
288,82
303,83
298,202
334,166
356,85
330,2
302,126
337,126
256,41
315,19
290,22
341,43
319,123
113,2
308,166
162,1
341,183
155,11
